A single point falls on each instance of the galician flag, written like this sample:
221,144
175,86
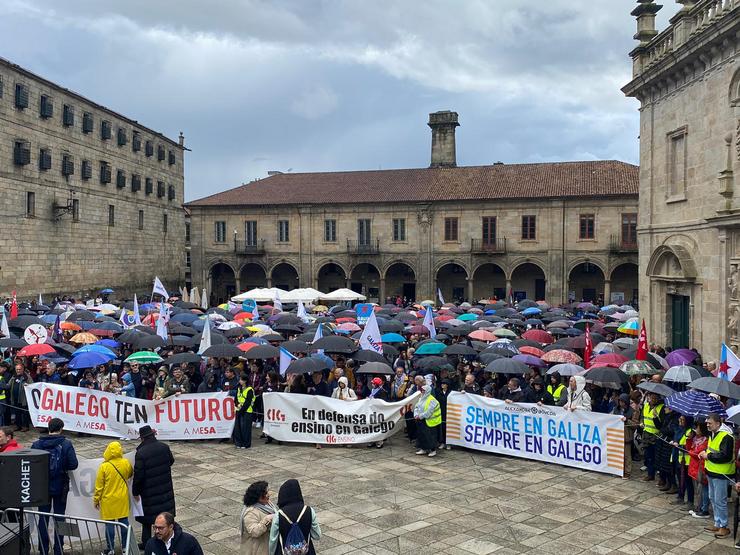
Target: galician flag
429,322
440,297
729,365
301,312
370,338
137,316
41,301
318,335
204,300
276,302
642,344
285,359
205,338
164,318
159,289
4,326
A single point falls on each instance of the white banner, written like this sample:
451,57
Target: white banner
189,416
314,419
586,440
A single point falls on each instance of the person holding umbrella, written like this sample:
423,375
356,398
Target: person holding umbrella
719,463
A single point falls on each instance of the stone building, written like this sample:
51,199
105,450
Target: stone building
687,80
89,198
544,231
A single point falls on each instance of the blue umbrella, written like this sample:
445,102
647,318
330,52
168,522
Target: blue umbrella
695,404
110,343
48,318
392,338
257,340
97,349
531,311
324,358
88,360
111,326
184,318
106,291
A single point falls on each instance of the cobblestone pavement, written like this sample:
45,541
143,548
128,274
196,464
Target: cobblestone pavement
461,502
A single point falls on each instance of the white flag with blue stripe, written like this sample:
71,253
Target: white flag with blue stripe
440,297
285,359
137,316
370,338
429,322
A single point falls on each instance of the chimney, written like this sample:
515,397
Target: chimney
181,139
443,139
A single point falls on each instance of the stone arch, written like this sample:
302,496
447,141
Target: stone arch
222,281
734,92
331,276
400,280
252,275
489,280
672,261
601,265
586,281
458,262
284,275
452,280
365,278
529,280
624,278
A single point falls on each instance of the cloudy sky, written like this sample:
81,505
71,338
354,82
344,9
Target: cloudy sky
321,85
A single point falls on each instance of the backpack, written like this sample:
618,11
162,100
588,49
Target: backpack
55,462
295,541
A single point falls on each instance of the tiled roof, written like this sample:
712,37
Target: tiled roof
499,181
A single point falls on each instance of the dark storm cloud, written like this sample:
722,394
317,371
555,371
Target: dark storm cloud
327,85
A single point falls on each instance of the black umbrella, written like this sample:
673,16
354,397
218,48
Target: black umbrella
216,338
186,305
335,344
391,326
65,348
488,358
503,349
366,355
507,366
457,331
721,387
130,336
526,343
460,349
235,332
374,368
262,352
178,329
22,322
12,343
433,364
390,351
288,328
81,315
149,342
181,341
558,346
295,346
657,388
179,358
223,351
273,337
605,376
146,329
287,319
306,365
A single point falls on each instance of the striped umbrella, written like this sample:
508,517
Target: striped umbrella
695,404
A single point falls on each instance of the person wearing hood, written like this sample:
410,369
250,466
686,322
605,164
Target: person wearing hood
7,441
111,492
631,421
537,393
62,459
256,520
128,389
557,390
576,397
428,416
343,391
719,464
292,509
208,385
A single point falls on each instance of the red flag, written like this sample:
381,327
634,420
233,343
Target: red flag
14,307
588,349
642,344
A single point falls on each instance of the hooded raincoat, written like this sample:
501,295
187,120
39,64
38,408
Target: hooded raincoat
111,488
578,399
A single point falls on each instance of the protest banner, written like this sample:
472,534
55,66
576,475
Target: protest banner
189,416
313,419
586,440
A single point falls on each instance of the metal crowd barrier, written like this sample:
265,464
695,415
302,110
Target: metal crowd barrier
77,535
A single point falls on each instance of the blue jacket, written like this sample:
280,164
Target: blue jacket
59,482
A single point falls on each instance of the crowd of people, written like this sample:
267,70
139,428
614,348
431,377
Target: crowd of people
686,456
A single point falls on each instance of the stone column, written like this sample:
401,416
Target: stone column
508,289
470,289
269,281
348,283
237,284
381,292
608,292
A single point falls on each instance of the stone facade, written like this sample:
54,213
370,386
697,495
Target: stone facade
687,80
59,232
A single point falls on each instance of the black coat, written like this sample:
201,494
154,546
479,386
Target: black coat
182,544
153,478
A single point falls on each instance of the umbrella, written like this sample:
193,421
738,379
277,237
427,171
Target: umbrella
431,349
652,359
605,376
306,365
566,369
295,346
530,360
507,366
637,368
263,352
459,349
103,350
392,338
335,344
12,343
681,374
503,332
680,356
83,338
22,322
613,360
629,328
433,364
223,350
374,368
487,358
721,387
144,357
503,349
541,336
467,317
88,360
695,404
531,311
106,291
561,355
529,350
35,349
482,335
149,342
657,388
179,358
625,342
366,355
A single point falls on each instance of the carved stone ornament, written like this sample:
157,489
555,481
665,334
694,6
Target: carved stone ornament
737,139
733,282
425,218
733,319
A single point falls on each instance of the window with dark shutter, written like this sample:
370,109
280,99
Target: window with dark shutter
21,153
75,210
488,231
136,142
105,173
220,232
135,183
122,138
45,159
105,130
164,223
451,229
46,109
30,204
68,165
87,123
170,192
250,233
120,179
86,169
148,186
141,219
330,231
160,153
160,189
21,96
172,158
399,229
529,228
68,115
149,149
111,215
586,227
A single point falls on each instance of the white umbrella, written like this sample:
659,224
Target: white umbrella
682,374
260,295
566,369
305,295
342,295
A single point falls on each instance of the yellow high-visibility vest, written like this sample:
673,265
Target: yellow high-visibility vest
436,418
556,392
241,397
728,468
648,414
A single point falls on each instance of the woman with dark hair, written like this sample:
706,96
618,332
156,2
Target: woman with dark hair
292,510
257,515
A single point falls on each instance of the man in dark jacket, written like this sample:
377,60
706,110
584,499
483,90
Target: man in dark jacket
169,539
511,392
62,459
152,480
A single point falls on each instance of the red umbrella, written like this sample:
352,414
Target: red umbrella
534,351
611,360
541,336
35,349
102,333
346,319
246,346
561,356
418,330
